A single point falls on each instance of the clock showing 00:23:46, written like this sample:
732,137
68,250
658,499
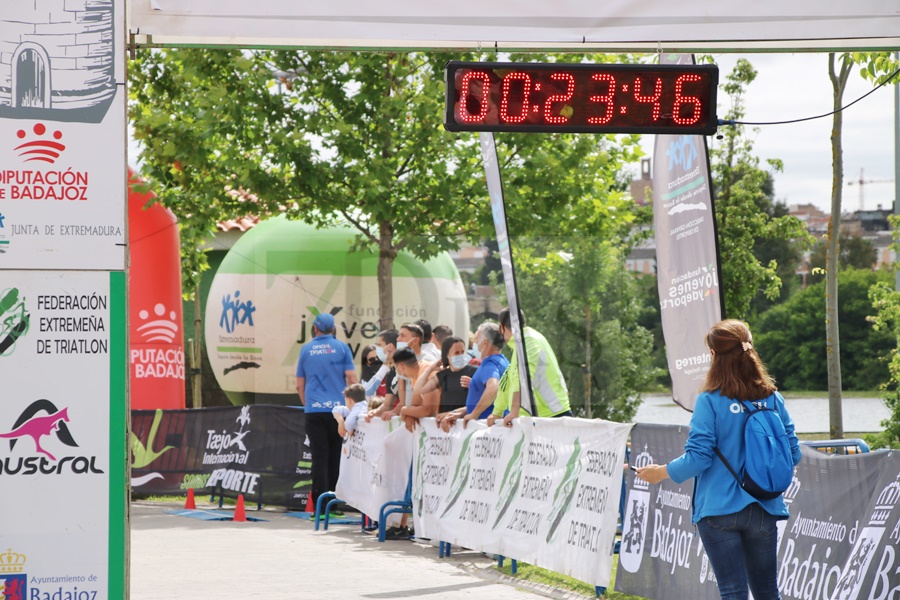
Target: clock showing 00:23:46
581,98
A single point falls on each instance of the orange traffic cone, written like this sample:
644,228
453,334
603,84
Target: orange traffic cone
240,514
310,507
189,502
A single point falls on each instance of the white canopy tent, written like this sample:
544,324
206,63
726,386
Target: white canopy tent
623,25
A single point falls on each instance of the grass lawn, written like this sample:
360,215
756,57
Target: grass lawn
538,575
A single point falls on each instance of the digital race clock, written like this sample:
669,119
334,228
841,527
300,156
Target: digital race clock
581,98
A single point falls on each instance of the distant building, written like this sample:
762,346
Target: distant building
642,189
816,221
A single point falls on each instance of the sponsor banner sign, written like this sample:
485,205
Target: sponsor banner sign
62,135
584,506
661,555
840,542
259,451
469,515
544,491
686,255
61,434
367,479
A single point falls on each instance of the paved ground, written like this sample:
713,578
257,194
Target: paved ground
285,559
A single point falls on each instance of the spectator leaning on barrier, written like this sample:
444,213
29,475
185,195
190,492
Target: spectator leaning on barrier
440,387
354,406
738,530
369,364
324,369
385,345
551,397
409,369
485,382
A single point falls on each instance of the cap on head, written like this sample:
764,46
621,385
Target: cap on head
324,322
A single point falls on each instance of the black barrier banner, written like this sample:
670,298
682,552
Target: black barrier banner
840,542
872,568
827,500
259,451
661,555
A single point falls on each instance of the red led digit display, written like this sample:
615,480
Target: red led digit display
581,98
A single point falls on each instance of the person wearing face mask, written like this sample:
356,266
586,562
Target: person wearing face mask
369,364
484,383
385,346
439,387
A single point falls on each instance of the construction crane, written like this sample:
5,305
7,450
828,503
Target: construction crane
862,182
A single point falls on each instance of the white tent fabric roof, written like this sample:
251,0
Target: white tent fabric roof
627,25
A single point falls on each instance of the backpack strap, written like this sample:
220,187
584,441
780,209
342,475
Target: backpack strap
728,466
747,411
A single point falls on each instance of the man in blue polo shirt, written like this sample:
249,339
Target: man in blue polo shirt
485,382
324,369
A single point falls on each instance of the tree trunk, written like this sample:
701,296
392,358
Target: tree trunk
386,255
587,361
832,257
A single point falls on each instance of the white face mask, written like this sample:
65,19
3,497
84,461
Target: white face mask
380,353
402,345
475,351
459,361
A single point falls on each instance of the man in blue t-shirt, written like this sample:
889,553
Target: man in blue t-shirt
485,382
324,369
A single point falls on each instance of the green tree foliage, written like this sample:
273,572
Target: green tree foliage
352,137
791,340
749,225
855,251
577,292
886,302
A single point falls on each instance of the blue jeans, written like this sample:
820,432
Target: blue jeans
743,547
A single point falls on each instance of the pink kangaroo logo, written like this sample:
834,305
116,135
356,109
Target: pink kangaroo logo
37,427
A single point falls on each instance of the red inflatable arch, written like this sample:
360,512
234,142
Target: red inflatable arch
156,339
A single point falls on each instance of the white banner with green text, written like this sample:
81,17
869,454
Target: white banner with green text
545,491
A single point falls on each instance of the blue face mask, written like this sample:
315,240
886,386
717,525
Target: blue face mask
475,352
380,353
402,345
459,361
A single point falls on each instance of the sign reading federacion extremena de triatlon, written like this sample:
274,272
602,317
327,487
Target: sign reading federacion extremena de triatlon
62,135
62,354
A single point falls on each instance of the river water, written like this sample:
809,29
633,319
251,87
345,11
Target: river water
860,415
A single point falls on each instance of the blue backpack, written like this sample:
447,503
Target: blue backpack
768,464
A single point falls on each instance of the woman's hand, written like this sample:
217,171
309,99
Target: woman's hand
653,473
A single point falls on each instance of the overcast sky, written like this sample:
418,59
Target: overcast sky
791,86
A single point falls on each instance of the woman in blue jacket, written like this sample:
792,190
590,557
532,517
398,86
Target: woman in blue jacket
738,531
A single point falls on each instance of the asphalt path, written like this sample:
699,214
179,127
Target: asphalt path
285,559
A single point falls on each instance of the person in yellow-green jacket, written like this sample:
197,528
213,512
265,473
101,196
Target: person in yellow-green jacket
551,397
